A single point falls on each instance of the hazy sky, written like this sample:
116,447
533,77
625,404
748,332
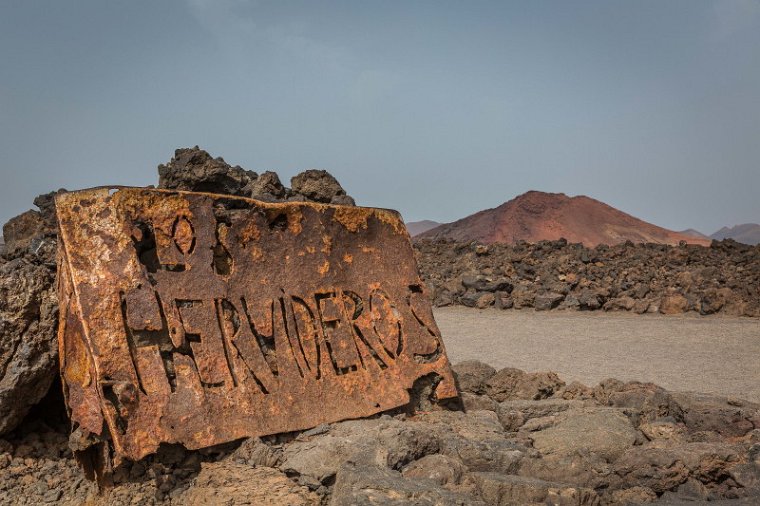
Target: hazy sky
436,108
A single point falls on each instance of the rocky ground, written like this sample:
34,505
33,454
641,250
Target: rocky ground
715,354
643,278
517,438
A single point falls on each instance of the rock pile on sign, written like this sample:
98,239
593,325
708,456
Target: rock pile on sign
28,302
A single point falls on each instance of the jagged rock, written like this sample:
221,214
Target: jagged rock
649,401
721,415
21,231
254,452
549,451
384,441
723,278
476,438
633,496
605,432
581,468
471,376
673,304
369,485
546,301
229,483
46,204
510,383
320,186
440,469
485,300
473,402
266,187
500,489
28,344
665,468
193,169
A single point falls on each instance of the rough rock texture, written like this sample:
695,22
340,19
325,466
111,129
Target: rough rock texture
320,186
28,302
28,349
613,444
28,313
722,278
193,169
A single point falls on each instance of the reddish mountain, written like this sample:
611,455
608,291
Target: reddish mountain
536,216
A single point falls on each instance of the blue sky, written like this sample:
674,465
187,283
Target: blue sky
438,109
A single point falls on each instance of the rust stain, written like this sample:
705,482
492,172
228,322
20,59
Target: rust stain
180,309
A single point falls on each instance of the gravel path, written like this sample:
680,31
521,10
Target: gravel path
705,354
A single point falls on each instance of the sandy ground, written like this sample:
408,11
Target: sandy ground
681,353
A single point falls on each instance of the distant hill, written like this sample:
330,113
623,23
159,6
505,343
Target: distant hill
748,233
694,233
418,227
536,216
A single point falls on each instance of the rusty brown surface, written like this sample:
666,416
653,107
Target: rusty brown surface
198,319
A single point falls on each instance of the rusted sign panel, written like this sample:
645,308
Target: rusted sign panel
198,319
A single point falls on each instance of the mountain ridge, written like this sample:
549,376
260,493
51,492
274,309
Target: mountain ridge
535,216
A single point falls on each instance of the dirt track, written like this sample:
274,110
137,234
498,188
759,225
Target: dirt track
706,354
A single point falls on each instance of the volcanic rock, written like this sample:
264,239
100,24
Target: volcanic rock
512,383
724,278
546,451
267,187
320,186
193,169
28,347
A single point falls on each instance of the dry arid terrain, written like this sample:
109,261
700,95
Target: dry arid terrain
683,353
518,434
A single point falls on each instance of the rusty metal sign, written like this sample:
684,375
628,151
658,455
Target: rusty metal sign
198,319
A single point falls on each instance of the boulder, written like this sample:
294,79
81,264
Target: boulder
266,187
510,383
382,441
230,483
320,186
580,468
502,490
440,469
28,343
471,376
673,304
193,169
371,485
649,401
21,232
666,468
717,414
546,301
605,432
485,300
